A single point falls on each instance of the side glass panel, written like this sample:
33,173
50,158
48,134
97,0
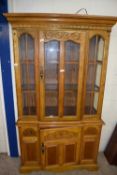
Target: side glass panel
52,55
26,54
72,53
95,60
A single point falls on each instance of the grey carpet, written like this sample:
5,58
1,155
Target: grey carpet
10,166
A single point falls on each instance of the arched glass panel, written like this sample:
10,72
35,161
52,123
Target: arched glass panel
95,60
72,54
52,56
26,56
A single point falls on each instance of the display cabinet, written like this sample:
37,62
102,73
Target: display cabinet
60,69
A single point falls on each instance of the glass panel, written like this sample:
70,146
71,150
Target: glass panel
29,103
72,51
51,77
26,53
98,75
100,49
22,46
30,48
96,51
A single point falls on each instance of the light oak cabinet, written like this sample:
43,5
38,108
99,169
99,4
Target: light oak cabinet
60,68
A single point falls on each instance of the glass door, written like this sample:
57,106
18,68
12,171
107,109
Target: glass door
26,73
60,78
94,74
49,75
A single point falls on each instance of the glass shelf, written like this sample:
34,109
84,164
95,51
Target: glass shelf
95,62
71,62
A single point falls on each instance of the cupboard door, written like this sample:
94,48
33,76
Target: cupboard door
60,147
51,155
29,146
61,74
95,73
89,150
26,60
90,143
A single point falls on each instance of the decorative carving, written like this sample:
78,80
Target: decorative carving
63,134
61,35
29,132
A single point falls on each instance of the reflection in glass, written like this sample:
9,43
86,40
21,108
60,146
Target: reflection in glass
72,51
26,54
51,77
95,59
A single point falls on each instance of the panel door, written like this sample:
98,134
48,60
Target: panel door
29,141
90,144
89,151
61,74
27,71
60,147
95,73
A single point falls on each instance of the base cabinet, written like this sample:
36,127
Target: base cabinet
59,148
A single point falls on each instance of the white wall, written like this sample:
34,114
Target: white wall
4,147
105,7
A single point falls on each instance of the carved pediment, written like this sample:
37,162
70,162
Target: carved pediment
57,35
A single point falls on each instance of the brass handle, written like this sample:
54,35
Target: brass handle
41,73
42,148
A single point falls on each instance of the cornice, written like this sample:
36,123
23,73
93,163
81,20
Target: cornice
76,21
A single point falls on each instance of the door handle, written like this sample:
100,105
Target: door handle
41,73
42,148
